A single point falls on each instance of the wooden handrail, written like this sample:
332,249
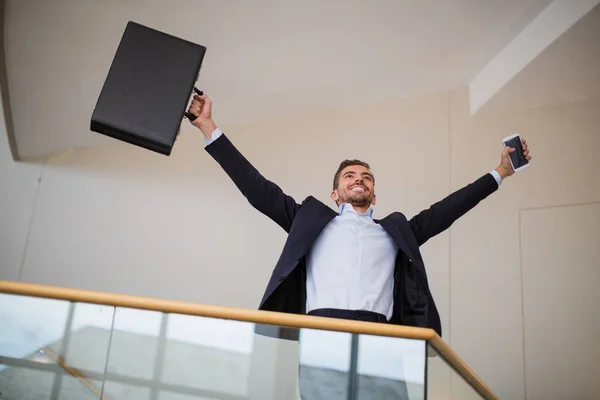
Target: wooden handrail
255,316
204,310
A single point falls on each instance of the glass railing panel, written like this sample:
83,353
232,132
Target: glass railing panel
16,379
438,377
391,368
190,357
52,348
86,341
325,364
135,333
445,382
114,390
172,356
225,346
72,388
351,366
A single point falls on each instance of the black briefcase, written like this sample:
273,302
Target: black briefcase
148,88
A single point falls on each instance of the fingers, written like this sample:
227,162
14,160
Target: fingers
198,104
199,110
195,108
204,98
526,150
206,106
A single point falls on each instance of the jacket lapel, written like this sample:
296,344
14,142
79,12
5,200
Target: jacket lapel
312,219
322,216
393,229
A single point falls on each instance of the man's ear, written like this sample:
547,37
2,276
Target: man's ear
334,196
374,199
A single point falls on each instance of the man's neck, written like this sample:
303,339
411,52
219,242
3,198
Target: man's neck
361,210
357,209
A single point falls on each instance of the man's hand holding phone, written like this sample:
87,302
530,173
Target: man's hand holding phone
514,157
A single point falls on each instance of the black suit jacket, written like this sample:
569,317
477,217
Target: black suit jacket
286,291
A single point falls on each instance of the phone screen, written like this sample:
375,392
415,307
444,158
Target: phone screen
517,157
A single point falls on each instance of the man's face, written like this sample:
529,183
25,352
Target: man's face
355,186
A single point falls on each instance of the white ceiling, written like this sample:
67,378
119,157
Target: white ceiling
265,58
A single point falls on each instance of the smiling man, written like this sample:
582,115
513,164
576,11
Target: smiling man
353,183
342,263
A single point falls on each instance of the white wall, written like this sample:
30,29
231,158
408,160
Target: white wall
560,299
487,318
121,219
18,187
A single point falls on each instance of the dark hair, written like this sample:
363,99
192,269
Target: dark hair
344,164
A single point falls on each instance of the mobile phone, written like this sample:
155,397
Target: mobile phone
517,157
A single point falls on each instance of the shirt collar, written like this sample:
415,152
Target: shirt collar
347,207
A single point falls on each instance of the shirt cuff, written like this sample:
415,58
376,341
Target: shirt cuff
214,136
496,176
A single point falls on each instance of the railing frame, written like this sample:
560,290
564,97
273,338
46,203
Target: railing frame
255,316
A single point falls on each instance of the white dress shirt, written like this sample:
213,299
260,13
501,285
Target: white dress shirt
351,264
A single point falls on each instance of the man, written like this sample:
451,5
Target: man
344,264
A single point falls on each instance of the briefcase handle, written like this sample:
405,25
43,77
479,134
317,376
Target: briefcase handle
191,116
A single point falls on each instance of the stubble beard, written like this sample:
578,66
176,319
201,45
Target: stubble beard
358,199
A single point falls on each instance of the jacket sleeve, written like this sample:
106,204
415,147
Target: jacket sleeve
441,215
262,194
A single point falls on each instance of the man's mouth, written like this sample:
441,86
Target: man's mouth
358,189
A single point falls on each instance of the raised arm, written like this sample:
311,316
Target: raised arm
441,215
262,194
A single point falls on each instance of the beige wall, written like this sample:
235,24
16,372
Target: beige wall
122,219
560,256
18,187
486,246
